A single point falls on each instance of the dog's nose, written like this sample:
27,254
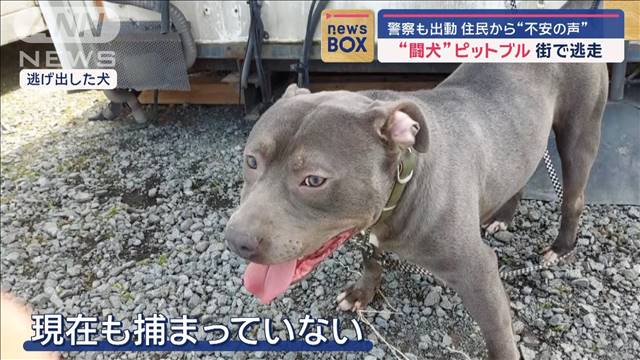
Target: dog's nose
241,243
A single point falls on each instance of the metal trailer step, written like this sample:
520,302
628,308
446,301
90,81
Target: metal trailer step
144,57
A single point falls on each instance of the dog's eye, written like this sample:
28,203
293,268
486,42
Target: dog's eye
314,181
251,161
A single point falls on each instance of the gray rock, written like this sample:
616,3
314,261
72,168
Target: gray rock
187,293
527,353
518,327
349,333
197,236
425,342
586,308
581,282
202,246
116,302
377,352
503,236
534,215
185,225
40,299
196,226
13,256
83,197
445,303
567,348
194,301
618,343
432,298
446,341
556,320
381,322
590,321
50,228
630,274
243,356
9,238
56,301
573,274
74,270
595,284
183,279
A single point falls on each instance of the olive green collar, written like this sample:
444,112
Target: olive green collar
404,173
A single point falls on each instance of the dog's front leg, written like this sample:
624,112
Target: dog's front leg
359,294
471,268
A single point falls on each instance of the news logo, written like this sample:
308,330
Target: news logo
348,36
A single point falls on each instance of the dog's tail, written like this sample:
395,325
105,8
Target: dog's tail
582,4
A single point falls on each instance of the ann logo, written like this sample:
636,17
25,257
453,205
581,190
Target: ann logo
348,36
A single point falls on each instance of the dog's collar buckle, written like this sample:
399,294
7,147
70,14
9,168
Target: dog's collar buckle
404,174
406,179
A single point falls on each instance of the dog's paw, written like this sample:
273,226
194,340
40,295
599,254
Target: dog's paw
549,256
355,297
494,227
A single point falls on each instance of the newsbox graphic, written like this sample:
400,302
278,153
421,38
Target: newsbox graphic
348,36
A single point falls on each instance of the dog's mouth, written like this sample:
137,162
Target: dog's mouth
266,282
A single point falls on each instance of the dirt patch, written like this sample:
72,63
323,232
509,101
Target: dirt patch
138,199
218,201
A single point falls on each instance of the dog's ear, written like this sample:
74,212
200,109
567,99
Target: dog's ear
402,124
293,90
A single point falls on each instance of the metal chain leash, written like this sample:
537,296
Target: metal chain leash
388,261
506,275
551,171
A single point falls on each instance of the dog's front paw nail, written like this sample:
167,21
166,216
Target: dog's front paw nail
355,298
345,305
549,256
495,226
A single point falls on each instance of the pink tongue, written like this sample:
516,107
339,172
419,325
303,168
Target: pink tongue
268,281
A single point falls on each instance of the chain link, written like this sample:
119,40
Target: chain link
387,261
551,171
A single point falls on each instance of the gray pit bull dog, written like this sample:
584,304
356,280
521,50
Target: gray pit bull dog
320,167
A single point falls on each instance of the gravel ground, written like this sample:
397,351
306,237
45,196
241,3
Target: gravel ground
112,217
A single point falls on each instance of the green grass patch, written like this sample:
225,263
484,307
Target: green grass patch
162,260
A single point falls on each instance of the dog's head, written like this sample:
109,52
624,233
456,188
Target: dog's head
317,168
